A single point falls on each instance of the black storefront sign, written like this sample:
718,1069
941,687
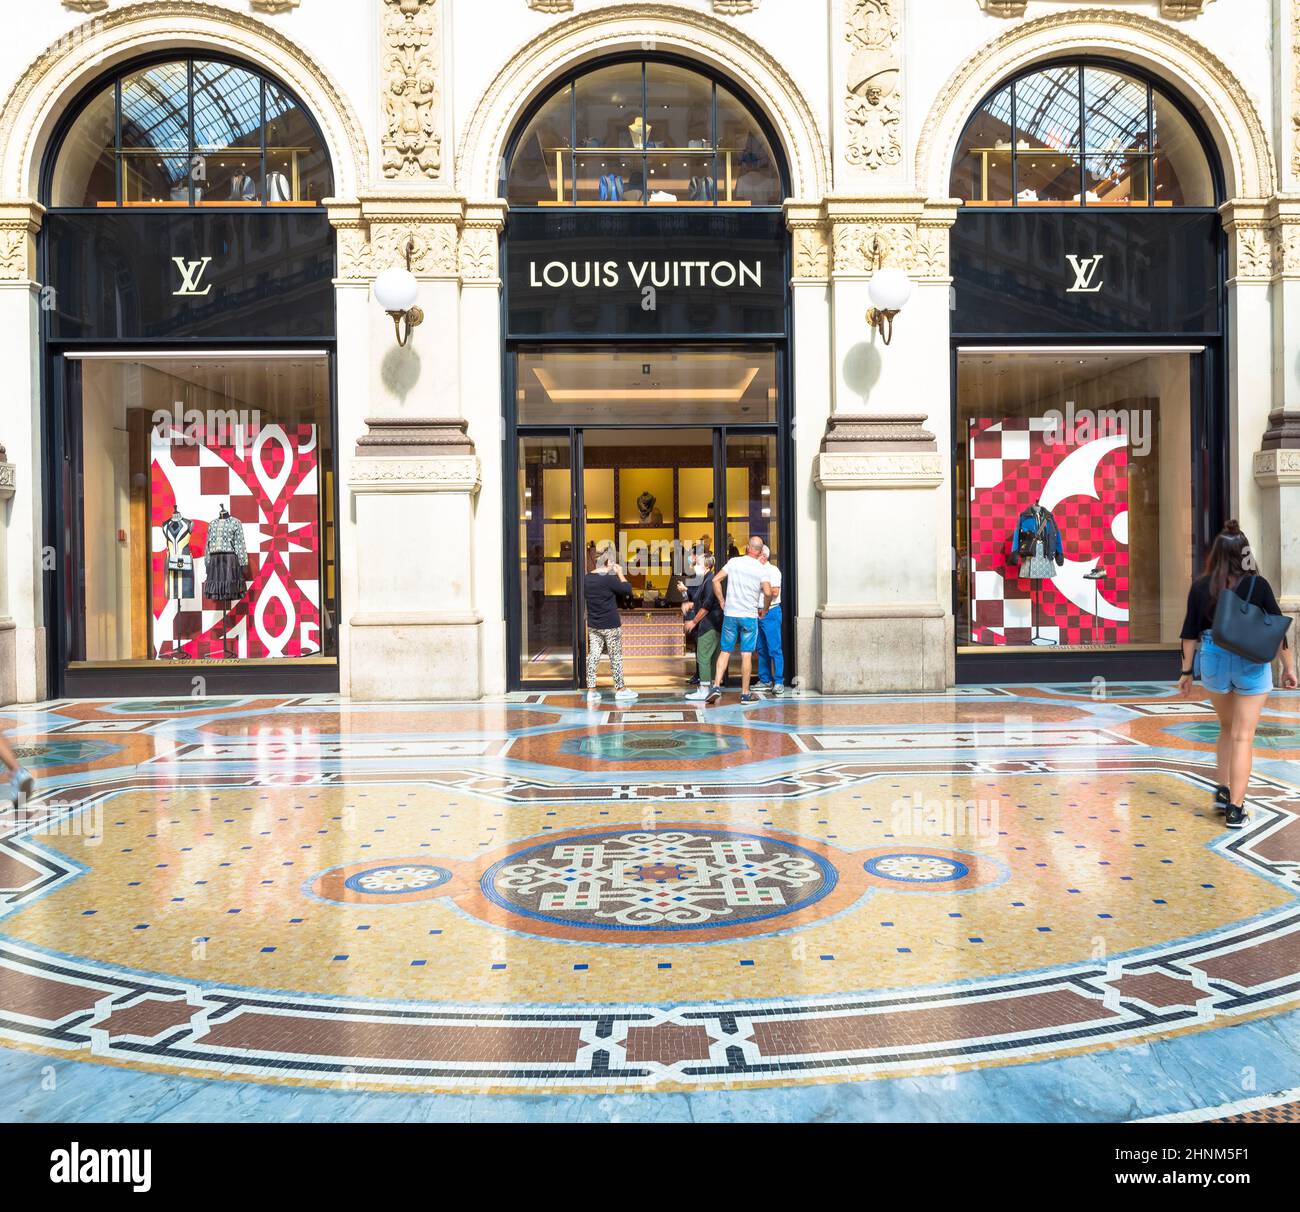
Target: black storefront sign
650,273
1085,272
199,277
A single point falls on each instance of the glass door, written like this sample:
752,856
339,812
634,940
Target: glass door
547,583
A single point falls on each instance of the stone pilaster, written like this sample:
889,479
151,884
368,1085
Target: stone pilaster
866,79
414,632
8,653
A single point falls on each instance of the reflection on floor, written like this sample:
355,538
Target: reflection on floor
987,904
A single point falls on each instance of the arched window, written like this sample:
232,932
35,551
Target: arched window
1081,134
191,132
643,133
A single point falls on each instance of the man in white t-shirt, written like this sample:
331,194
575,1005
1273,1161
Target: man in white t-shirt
771,662
744,601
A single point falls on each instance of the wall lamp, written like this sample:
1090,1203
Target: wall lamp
890,290
396,291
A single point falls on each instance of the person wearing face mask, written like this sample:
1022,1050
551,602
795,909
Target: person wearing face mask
703,620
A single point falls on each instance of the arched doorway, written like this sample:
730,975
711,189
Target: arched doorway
189,405
1090,461
646,360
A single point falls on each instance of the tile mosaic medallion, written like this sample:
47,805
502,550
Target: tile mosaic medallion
540,898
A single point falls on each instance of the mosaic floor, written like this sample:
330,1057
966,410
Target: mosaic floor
993,904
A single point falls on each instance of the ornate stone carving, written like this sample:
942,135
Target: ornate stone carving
861,431
1252,252
414,437
8,474
873,109
1004,8
86,6
411,89
733,8
1295,87
1276,467
274,6
861,248
439,473
372,239
19,223
895,469
478,254
1180,10
551,6
812,252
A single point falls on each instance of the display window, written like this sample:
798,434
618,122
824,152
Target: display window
1074,521
206,508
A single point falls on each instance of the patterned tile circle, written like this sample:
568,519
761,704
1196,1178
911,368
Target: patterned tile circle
654,744
659,880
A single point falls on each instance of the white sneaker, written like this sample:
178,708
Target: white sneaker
625,695
593,696
778,690
700,692
764,686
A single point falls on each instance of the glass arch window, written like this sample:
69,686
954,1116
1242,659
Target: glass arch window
643,133
1081,135
191,132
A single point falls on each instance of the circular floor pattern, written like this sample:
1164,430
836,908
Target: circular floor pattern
651,745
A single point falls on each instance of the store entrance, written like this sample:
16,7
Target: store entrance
657,498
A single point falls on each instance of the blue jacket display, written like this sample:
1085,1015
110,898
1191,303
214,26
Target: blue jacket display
1036,525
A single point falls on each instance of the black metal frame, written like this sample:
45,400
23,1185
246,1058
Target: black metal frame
1210,472
59,453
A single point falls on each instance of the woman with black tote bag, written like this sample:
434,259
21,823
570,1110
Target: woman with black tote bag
1238,685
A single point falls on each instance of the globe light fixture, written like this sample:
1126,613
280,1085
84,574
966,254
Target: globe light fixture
890,290
396,291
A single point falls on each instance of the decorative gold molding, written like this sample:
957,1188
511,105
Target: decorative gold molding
86,6
1181,10
1004,8
150,23
734,8
274,7
873,106
1182,58
529,68
551,6
412,91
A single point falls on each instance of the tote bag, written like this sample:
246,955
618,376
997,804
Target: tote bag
1247,630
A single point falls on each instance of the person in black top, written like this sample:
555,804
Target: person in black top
703,620
1238,687
604,589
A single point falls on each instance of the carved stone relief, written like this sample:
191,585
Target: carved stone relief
812,252
274,6
412,97
1004,8
873,103
86,6
733,8
551,6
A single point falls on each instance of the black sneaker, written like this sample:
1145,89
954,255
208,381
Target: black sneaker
1236,816
749,697
1222,798
693,680
715,693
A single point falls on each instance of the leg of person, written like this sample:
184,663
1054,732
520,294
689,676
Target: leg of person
20,781
614,641
595,646
1223,708
748,642
772,631
764,658
706,651
1245,719
726,642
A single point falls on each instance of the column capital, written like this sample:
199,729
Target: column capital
909,231
20,220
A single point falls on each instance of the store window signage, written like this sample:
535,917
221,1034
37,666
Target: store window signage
179,276
191,273
1055,273
606,274
1087,279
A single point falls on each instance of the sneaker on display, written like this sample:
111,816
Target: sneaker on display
625,695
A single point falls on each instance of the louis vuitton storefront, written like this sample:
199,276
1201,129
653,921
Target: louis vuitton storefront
188,330
1090,466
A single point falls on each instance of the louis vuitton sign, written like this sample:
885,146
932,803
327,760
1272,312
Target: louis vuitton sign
658,273
1060,272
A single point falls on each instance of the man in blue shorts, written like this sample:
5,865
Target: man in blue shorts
745,599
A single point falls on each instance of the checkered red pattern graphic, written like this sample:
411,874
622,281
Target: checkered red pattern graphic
1011,466
267,478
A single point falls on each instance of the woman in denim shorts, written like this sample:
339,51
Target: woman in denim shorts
1238,687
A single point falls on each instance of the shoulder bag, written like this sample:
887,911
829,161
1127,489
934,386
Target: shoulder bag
1246,630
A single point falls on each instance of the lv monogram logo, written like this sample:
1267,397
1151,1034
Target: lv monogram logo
1086,271
191,275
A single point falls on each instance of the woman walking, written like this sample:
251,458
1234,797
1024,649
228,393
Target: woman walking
1238,687
20,782
604,589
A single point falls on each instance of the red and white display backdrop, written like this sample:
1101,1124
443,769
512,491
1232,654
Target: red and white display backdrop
1013,464
267,477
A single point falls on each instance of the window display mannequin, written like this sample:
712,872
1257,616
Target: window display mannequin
178,570
225,557
277,188
243,188
1037,543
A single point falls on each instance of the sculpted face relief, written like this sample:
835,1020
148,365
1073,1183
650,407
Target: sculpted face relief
583,274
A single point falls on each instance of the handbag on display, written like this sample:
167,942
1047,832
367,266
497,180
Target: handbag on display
611,188
1247,630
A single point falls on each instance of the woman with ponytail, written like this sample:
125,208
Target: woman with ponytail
1238,687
